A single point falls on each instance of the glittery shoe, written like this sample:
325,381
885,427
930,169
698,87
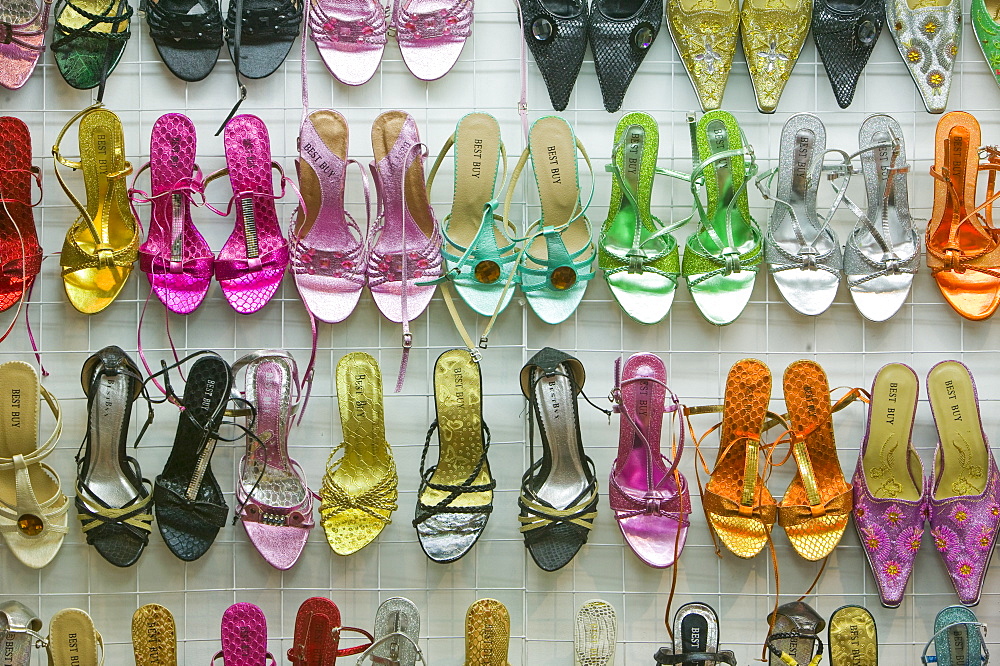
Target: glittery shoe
773,34
556,34
154,636
20,626
350,36
845,34
964,489
487,634
431,34
705,33
25,22
984,22
927,34
959,639
244,636
621,33
889,504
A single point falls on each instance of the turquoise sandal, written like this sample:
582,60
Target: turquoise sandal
959,639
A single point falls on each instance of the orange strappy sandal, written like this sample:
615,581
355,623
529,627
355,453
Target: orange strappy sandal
815,509
962,249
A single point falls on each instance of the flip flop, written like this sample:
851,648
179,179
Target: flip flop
595,634
73,640
397,630
959,639
154,636
794,635
244,637
487,634
696,638
317,634
852,637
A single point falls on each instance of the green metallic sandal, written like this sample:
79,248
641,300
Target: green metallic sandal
636,251
985,17
722,258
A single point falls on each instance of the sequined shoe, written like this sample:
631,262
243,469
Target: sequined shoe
889,502
621,33
705,34
772,40
25,22
927,35
987,31
845,34
556,34
964,489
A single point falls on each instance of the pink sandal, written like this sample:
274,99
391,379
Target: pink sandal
24,40
350,36
244,637
431,34
252,262
175,257
648,494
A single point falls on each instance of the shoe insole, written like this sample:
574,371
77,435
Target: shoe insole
477,158
803,162
643,470
154,636
960,158
74,20
882,210
18,12
993,9
886,460
323,199
359,397
922,4
722,6
962,466
396,615
595,634
19,402
621,9
853,638
106,473
566,478
487,634
562,7
694,636
72,639
635,154
419,223
725,183
458,402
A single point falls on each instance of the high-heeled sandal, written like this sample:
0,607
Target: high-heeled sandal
113,500
647,492
431,34
359,491
20,253
102,244
33,506
962,249
154,636
397,632
244,637
21,630
558,499
89,39
73,640
275,502
557,259
187,35
27,21
350,37
318,629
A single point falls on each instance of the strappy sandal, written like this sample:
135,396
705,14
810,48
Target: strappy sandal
696,639
431,34
33,506
557,259
73,640
397,632
190,507
317,634
637,252
963,252
176,258
275,503
187,35
26,22
113,501
89,39
959,639
883,252
103,243
794,635
154,636
647,492
852,637
244,637
260,34
722,258
455,497
359,491
350,37
20,631
558,499
595,634
487,634
20,253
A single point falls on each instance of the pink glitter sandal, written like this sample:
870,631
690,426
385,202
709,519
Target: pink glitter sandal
252,262
350,36
175,257
244,637
25,23
431,34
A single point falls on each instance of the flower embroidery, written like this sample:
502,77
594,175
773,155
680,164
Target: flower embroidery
912,539
708,57
930,27
959,514
935,79
944,539
892,568
913,55
874,537
966,568
985,537
893,514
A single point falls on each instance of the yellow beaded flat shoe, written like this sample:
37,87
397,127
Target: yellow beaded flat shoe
102,245
359,489
704,33
773,34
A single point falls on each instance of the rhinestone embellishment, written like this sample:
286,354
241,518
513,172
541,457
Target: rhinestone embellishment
487,272
542,29
30,525
643,36
866,33
563,278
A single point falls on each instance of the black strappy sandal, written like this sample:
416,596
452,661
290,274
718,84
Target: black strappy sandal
90,37
187,35
113,501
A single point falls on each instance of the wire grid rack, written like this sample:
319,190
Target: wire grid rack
698,355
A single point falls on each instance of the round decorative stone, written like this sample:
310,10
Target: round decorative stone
487,271
563,278
643,36
543,29
30,525
867,33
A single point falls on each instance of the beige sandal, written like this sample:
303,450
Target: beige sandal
73,640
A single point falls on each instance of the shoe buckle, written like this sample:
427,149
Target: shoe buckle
808,257
476,355
953,260
636,261
732,258
407,340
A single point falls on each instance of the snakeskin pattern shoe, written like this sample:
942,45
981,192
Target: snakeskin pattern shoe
845,35
772,40
556,34
621,33
927,37
705,35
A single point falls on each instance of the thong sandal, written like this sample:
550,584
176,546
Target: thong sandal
89,39
317,634
696,639
359,491
19,632
73,640
487,634
103,243
794,639
20,253
26,22
595,634
959,639
244,637
154,636
852,637
397,632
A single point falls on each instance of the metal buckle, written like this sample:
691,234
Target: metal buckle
407,340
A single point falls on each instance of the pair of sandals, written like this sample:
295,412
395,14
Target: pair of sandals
72,639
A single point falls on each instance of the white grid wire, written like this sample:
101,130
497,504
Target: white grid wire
698,355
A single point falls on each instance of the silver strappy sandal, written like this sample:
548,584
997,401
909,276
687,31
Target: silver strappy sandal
19,632
397,630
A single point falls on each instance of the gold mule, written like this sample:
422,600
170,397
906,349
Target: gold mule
704,33
773,34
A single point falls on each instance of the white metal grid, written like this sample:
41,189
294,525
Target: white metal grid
698,355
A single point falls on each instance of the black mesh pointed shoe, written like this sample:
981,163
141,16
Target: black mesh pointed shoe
621,33
845,32
556,34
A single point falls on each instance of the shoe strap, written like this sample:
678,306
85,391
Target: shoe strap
788,659
14,33
882,234
522,104
335,499
676,409
425,511
979,626
951,253
581,512
369,650
136,516
203,29
25,266
39,454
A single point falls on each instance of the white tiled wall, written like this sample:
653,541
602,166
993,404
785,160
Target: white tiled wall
698,355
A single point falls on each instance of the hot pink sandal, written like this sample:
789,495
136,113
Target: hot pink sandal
431,34
25,23
275,504
175,257
648,494
244,637
350,36
252,262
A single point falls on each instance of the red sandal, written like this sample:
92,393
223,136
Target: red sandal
317,635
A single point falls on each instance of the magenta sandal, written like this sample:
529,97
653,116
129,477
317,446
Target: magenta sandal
405,243
275,504
431,34
648,493
25,23
175,257
350,36
244,637
252,262
889,501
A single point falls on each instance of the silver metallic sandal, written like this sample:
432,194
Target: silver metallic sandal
18,626
397,630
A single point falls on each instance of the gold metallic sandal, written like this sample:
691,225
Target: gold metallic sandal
359,489
487,634
154,636
102,245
